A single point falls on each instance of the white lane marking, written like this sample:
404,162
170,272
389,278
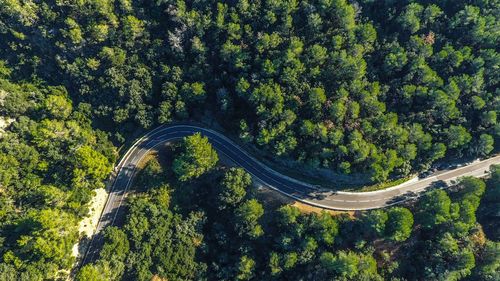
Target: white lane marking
199,129
111,195
132,173
260,165
242,160
250,164
249,156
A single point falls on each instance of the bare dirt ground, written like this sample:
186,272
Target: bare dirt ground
4,123
87,226
311,209
3,94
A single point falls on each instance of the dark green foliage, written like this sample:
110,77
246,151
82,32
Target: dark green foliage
50,161
89,273
376,89
374,223
449,246
246,219
161,241
434,209
116,244
399,224
329,84
111,265
489,269
489,210
349,266
246,240
197,157
232,188
151,176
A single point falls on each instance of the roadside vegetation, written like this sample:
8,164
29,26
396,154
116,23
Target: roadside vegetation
51,160
377,89
213,228
367,91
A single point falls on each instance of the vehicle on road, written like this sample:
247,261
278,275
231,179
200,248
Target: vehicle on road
425,174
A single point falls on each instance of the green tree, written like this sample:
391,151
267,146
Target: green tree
374,222
197,157
489,268
8,169
287,215
89,272
91,165
247,216
399,223
410,18
133,27
116,244
493,190
58,106
74,32
232,188
151,176
485,144
434,209
458,136
470,196
161,242
343,264
194,92
316,100
246,268
325,227
274,264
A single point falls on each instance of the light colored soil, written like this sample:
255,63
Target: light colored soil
4,122
304,208
87,226
158,278
3,94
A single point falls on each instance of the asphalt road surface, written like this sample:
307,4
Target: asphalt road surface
125,170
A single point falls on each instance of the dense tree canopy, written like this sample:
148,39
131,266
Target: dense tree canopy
373,88
50,161
357,91
489,210
227,233
197,158
233,187
399,223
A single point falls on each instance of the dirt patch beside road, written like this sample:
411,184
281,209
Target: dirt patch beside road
88,225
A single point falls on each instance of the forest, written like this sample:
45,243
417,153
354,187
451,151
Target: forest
217,227
51,159
377,89
369,90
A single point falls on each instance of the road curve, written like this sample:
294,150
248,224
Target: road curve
125,170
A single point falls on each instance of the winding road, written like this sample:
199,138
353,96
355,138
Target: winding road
125,170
